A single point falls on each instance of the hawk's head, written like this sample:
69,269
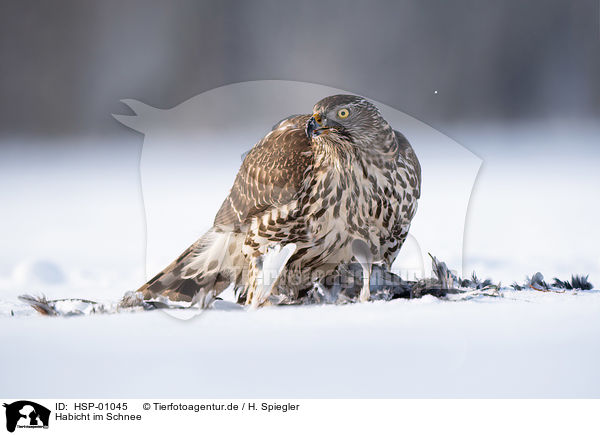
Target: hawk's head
348,118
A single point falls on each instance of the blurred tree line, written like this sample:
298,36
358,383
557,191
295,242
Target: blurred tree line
64,65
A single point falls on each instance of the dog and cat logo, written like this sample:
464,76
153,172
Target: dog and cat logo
26,414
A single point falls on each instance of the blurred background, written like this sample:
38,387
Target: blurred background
517,83
65,65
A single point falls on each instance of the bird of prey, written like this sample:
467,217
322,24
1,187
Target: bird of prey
334,187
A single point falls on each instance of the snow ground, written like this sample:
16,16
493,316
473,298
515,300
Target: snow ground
73,225
526,344
75,229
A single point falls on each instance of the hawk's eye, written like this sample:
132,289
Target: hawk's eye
343,113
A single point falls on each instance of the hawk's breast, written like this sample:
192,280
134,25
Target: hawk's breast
358,202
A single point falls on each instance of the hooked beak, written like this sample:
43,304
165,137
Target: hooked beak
316,126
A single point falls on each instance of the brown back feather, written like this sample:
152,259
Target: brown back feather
408,154
271,174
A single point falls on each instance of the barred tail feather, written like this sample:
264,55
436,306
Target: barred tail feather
210,264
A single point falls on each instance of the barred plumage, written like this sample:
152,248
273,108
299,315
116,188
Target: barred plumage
319,182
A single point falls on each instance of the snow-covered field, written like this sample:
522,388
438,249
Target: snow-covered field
73,225
526,344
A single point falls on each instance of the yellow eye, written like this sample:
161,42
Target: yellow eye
343,113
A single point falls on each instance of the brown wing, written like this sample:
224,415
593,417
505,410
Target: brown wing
409,156
405,196
271,174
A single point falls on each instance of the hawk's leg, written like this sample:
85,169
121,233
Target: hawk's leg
363,255
265,271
